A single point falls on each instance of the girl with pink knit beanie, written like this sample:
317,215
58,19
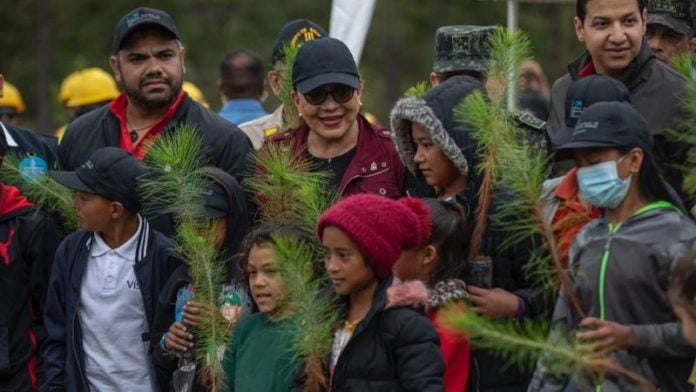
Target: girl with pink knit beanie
384,342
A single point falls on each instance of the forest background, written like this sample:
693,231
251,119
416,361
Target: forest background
42,41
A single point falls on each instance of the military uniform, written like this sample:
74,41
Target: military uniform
466,49
266,126
462,48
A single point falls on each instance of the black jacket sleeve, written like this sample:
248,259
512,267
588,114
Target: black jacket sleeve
55,320
39,244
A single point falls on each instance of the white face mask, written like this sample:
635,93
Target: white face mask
601,186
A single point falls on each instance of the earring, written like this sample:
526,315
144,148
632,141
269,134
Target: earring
299,114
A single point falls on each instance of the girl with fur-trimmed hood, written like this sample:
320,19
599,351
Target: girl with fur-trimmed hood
439,150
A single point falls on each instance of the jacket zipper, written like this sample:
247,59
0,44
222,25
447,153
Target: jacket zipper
77,361
605,258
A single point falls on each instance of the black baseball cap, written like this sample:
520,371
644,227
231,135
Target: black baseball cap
294,34
583,93
216,201
324,61
143,17
109,172
673,14
610,124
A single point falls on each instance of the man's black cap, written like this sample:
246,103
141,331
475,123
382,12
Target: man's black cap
610,124
295,33
673,14
109,172
140,18
324,61
583,93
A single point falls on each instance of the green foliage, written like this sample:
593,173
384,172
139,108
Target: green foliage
417,90
175,187
290,117
519,343
689,137
315,315
683,63
527,344
508,50
44,192
286,191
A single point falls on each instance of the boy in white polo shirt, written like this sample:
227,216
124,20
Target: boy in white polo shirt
105,282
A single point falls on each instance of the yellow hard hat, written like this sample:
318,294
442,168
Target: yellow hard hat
91,85
195,93
12,98
66,87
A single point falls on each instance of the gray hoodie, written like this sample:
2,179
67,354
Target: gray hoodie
621,274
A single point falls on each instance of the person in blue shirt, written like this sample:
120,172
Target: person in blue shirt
241,86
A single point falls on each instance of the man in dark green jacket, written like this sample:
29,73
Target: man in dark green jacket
613,33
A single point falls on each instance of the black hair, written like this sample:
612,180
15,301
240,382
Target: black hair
651,184
242,74
682,283
263,236
450,237
581,8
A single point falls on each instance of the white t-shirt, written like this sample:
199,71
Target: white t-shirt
113,320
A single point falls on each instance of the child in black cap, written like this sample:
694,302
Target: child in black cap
105,282
620,262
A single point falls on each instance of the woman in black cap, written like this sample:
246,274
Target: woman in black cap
620,262
333,134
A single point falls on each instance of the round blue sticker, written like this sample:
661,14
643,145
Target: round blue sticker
33,168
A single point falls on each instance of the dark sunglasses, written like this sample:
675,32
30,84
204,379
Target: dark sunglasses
340,93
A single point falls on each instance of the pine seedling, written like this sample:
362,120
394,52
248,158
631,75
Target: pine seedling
689,138
287,191
684,63
291,119
526,343
175,187
506,158
417,90
491,121
43,192
314,314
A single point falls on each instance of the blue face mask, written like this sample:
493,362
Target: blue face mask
601,186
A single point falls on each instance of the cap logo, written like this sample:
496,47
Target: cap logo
136,16
668,6
584,126
461,44
576,108
304,34
88,165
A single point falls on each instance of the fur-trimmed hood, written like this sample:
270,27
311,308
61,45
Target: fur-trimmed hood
434,112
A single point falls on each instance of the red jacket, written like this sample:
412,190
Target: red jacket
455,353
375,168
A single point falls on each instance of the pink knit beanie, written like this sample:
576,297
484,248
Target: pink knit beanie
380,227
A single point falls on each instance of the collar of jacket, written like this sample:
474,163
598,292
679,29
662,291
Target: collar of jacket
632,76
114,126
370,157
379,301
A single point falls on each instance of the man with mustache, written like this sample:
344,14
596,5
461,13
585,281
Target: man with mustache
613,33
148,63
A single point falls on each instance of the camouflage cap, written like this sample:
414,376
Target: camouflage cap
673,14
462,48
